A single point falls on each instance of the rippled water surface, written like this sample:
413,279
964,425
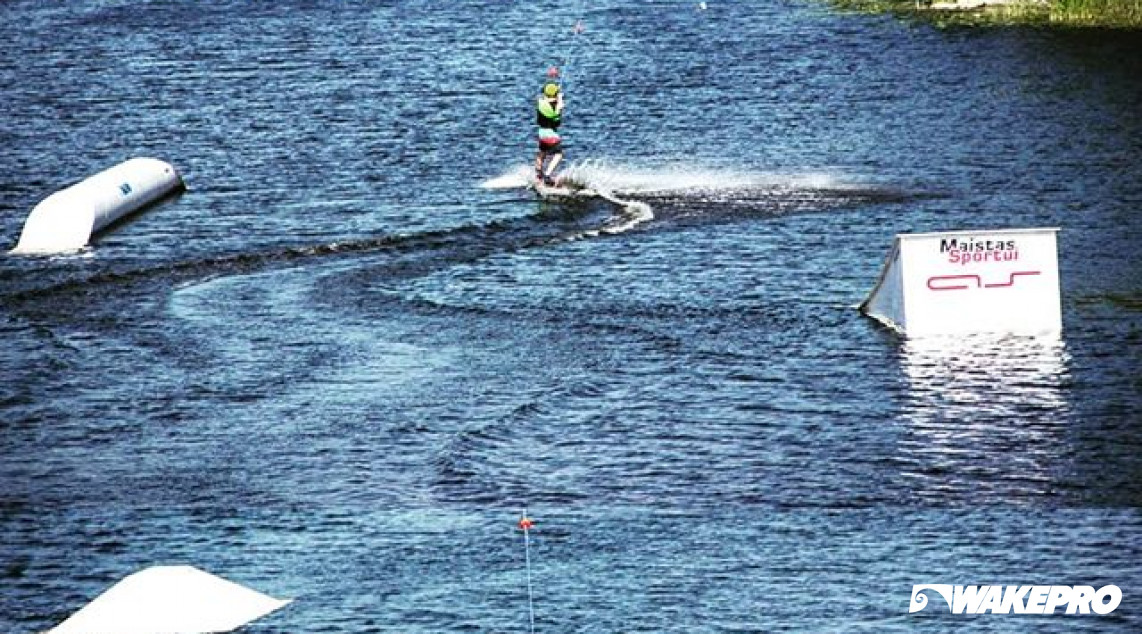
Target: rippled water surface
339,366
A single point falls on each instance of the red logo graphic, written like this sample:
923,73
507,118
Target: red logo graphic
964,282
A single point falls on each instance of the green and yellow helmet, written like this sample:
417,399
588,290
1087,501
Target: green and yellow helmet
550,89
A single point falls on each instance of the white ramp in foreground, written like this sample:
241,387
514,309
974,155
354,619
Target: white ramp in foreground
173,600
1005,280
66,220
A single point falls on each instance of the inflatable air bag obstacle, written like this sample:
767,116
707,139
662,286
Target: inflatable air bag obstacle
1001,281
66,220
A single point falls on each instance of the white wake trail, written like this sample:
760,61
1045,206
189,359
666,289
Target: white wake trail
631,212
636,191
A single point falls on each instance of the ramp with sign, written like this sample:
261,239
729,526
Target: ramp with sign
1004,280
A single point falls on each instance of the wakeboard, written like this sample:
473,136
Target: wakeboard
563,188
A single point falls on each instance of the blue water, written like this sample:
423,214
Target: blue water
339,367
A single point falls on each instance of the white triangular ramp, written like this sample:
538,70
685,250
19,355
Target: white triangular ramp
886,301
959,282
170,600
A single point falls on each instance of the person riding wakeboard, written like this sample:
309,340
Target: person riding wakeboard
548,116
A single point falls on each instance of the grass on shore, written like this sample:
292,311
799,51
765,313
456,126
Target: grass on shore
1122,14
1114,13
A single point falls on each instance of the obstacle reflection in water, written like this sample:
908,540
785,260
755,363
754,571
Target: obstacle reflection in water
985,417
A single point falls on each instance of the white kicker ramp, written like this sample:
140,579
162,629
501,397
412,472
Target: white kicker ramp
170,600
1006,280
66,220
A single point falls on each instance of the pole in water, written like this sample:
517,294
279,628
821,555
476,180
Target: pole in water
525,523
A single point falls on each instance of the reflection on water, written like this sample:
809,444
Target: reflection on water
985,416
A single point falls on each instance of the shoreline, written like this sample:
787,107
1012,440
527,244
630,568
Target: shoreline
1089,14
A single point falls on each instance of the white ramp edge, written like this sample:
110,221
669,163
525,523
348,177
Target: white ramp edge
958,282
172,600
66,220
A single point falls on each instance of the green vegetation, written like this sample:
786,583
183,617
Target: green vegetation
1124,14
1114,13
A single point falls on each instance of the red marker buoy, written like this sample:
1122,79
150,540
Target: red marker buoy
525,523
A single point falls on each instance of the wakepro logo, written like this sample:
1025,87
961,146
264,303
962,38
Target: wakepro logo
1020,599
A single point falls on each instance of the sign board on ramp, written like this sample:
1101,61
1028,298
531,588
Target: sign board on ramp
1004,280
